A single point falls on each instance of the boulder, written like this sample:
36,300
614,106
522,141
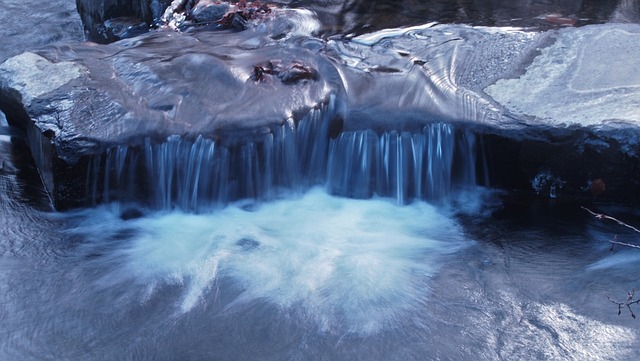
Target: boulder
98,16
551,114
218,85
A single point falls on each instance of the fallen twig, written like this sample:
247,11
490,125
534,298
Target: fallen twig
630,301
613,241
604,216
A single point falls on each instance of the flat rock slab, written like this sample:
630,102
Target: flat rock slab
589,77
86,98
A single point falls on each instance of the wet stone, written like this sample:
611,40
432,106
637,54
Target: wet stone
208,11
248,244
121,28
131,213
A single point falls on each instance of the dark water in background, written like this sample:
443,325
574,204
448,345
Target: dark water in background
311,277
362,16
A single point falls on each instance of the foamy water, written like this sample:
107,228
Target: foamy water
356,265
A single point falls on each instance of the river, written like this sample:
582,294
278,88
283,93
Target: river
487,274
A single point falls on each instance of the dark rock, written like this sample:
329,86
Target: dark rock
121,28
96,14
131,213
248,244
206,12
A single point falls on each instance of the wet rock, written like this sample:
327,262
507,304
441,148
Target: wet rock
131,213
121,28
576,106
206,12
23,74
141,91
204,85
584,78
533,100
98,16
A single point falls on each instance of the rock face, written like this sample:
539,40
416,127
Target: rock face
253,110
206,85
136,92
102,17
584,78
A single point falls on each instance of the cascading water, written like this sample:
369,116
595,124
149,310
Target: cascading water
401,165
202,174
196,175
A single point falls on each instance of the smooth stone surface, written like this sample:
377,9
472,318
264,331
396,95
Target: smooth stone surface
25,73
589,77
86,97
406,76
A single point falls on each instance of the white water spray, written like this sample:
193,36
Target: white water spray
357,266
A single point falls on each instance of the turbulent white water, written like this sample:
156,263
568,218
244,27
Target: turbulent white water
356,265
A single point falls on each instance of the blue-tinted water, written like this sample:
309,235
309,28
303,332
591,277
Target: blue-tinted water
309,274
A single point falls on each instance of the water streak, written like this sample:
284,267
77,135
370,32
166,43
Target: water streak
203,174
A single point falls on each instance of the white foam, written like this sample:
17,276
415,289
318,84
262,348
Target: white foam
356,265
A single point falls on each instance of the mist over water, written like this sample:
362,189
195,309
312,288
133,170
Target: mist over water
349,265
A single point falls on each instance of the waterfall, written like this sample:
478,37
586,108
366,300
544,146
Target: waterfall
201,174
402,165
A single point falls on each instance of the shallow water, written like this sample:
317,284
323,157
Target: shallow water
310,276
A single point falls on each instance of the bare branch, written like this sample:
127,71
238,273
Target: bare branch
604,216
630,301
624,244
